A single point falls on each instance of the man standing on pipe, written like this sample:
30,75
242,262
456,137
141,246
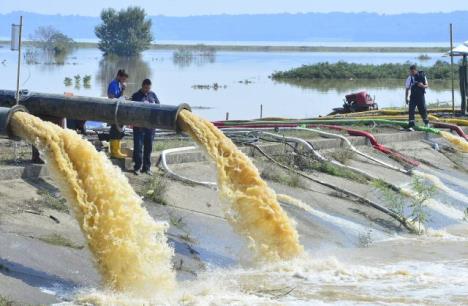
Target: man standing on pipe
143,137
416,85
115,91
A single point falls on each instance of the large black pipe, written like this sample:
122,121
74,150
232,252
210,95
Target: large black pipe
97,109
5,117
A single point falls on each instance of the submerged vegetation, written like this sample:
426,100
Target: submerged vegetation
198,54
423,57
215,86
344,70
67,81
52,40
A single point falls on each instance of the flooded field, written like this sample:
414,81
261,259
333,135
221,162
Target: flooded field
242,79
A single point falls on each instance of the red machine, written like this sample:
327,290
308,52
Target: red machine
356,102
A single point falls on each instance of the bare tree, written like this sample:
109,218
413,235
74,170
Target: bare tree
50,39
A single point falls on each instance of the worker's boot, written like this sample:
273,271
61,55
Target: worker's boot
115,149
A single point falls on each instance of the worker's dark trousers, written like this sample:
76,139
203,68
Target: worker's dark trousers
420,103
142,148
114,133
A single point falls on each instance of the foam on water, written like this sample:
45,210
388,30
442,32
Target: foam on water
446,213
441,186
310,281
347,227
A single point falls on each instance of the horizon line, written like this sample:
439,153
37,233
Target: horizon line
249,14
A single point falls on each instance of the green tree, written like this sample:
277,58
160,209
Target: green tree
124,33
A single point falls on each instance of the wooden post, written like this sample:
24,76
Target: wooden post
451,68
261,111
19,61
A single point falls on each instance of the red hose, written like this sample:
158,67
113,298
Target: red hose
374,142
452,127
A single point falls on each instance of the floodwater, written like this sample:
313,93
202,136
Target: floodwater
174,80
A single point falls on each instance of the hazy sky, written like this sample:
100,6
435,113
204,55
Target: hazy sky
200,7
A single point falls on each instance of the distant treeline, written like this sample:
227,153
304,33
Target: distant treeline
343,70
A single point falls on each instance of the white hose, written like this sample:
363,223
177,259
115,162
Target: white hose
318,155
163,163
309,147
353,148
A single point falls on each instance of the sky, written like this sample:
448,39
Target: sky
209,7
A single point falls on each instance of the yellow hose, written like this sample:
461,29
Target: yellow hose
385,112
460,122
460,143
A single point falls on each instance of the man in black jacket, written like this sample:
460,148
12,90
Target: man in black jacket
416,85
143,137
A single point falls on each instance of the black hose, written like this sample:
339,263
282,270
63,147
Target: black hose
348,193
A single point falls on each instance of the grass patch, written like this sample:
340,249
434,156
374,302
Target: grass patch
6,302
164,144
49,200
179,223
176,221
343,155
56,239
332,169
155,189
289,178
299,133
304,163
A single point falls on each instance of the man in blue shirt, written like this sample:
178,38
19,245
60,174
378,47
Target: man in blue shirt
143,137
115,91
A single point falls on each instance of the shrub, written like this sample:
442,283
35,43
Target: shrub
156,189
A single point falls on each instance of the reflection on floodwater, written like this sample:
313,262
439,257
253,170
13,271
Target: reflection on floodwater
136,67
185,57
346,86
